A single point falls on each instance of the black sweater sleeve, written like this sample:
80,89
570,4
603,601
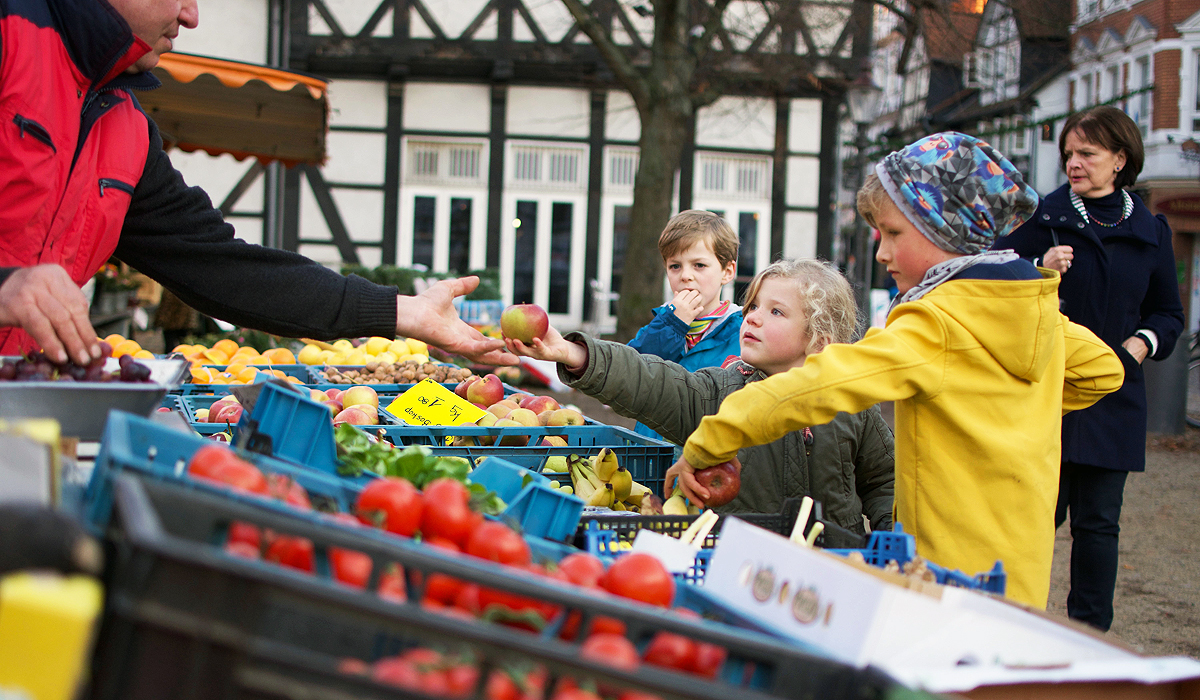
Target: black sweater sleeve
174,235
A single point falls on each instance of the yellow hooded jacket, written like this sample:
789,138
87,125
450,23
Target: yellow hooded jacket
981,372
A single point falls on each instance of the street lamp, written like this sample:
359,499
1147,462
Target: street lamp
864,99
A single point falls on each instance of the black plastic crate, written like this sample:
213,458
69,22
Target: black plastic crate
185,620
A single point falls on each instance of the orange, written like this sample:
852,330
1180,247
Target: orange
125,347
247,375
217,357
202,375
280,356
293,380
143,355
113,339
182,349
227,346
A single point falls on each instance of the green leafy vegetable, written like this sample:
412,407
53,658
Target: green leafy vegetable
359,453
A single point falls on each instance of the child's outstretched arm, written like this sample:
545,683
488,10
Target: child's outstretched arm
553,348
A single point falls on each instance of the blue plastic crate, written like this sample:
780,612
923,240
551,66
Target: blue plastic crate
646,459
900,547
301,430
533,506
133,443
604,544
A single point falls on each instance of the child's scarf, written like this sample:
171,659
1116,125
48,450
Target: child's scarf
697,328
948,269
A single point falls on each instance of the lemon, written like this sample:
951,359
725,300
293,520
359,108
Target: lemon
356,357
387,357
376,345
398,348
337,358
343,345
418,347
419,359
309,355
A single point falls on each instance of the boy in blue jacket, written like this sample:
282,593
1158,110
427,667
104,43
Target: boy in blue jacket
697,329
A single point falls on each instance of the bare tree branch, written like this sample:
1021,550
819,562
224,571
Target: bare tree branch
616,59
716,13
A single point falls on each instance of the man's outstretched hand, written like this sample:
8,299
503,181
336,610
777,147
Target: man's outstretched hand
48,305
430,316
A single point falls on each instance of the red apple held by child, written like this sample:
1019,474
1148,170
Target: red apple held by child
524,322
486,391
723,482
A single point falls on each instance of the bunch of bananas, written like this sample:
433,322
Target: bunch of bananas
677,504
599,480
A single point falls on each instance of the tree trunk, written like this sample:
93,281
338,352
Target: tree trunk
664,130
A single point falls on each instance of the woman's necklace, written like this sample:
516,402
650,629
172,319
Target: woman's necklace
1077,202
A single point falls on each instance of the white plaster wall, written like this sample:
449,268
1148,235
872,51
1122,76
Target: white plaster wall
453,16
800,234
217,175
621,119
803,181
737,122
358,103
447,107
804,127
1051,100
355,157
231,29
542,111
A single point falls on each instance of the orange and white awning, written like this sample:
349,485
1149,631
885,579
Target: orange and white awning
246,110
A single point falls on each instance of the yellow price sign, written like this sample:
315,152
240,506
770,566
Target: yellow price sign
430,403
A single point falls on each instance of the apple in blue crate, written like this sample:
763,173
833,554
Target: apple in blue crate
461,389
565,416
361,395
486,391
524,416
539,404
356,415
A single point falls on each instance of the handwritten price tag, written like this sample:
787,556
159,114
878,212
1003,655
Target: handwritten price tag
430,403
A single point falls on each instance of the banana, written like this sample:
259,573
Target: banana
636,493
583,486
555,485
619,506
605,464
565,488
601,497
676,504
555,464
622,483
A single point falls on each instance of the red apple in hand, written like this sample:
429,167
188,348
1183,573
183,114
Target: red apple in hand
722,481
524,322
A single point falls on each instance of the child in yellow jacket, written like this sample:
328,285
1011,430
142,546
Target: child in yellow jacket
975,354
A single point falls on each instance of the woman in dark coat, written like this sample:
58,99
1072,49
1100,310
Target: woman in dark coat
1119,280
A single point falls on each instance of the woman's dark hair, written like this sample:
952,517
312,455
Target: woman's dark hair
1110,128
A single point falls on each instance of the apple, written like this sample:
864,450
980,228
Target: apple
356,416
227,413
544,417
537,404
499,410
361,395
553,441
335,407
486,391
334,393
566,416
723,482
524,322
512,440
486,420
318,395
202,415
518,396
524,416
461,389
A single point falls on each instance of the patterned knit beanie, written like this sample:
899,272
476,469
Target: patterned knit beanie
957,190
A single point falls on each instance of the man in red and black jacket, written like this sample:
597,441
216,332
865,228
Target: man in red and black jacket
83,176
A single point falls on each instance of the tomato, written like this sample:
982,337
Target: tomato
397,672
348,566
468,599
447,513
353,667
295,552
242,549
208,460
220,464
434,682
582,569
461,679
670,650
391,504
440,588
501,686
422,657
611,650
392,586
246,534
499,543
572,693
283,488
640,576
636,695
709,660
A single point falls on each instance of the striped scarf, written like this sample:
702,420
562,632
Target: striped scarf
700,326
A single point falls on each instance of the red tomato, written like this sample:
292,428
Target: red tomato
392,586
423,657
434,682
582,569
670,650
636,695
501,686
572,693
245,533
354,667
283,488
348,566
610,649
447,513
296,552
209,459
397,672
640,576
468,599
391,504
242,549
499,543
709,660
461,678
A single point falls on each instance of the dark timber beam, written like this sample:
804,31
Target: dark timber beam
329,210
783,119
591,262
826,201
391,168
